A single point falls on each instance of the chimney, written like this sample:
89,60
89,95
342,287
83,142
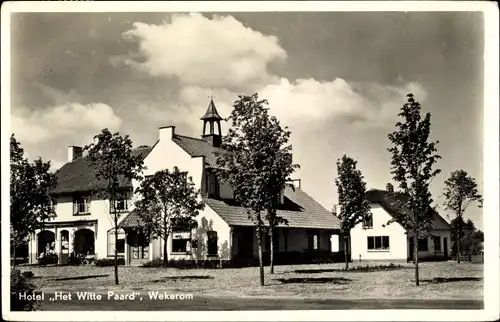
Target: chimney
74,152
389,187
336,210
166,133
296,182
213,140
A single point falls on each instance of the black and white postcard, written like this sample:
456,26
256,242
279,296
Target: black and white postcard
250,161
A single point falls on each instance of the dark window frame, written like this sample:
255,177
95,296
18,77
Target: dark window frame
212,243
182,248
423,245
378,243
212,180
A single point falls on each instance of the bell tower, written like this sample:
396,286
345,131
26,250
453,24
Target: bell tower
212,118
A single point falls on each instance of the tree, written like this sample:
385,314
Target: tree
470,238
30,195
460,191
277,169
351,189
169,200
115,165
413,159
256,164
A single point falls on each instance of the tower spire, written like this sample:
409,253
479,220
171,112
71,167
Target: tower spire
213,118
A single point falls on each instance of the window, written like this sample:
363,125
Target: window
315,241
181,241
120,245
368,222
212,244
212,186
378,242
81,205
437,243
423,246
121,202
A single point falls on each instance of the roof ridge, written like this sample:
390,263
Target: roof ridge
190,137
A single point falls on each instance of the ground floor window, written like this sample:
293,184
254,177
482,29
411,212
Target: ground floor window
181,241
437,243
378,242
212,243
120,246
423,245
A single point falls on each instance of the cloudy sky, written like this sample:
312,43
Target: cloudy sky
336,80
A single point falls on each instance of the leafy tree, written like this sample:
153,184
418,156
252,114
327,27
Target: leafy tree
413,159
460,191
22,284
470,238
277,169
351,189
30,195
256,164
116,166
169,200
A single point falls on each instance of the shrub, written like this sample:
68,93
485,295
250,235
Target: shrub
375,268
28,274
157,262
109,262
75,259
21,284
49,258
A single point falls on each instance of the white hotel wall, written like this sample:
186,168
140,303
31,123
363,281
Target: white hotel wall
397,238
165,155
99,210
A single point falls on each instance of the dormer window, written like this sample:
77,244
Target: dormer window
212,186
368,221
81,205
121,202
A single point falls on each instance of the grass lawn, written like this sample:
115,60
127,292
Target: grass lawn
441,280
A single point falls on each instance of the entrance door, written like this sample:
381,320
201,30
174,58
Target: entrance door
445,247
138,248
245,237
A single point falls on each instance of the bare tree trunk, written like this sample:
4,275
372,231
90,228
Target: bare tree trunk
14,253
415,255
165,251
459,230
346,254
271,260
259,246
165,234
116,249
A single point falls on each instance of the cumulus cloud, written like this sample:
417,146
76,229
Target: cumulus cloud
217,52
224,54
72,119
48,132
307,100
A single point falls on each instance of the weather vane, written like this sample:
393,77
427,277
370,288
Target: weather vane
211,93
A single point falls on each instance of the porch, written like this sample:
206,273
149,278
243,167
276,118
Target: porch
61,242
291,246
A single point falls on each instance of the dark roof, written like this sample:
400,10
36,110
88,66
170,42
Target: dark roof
80,176
299,209
381,197
199,148
132,220
211,113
